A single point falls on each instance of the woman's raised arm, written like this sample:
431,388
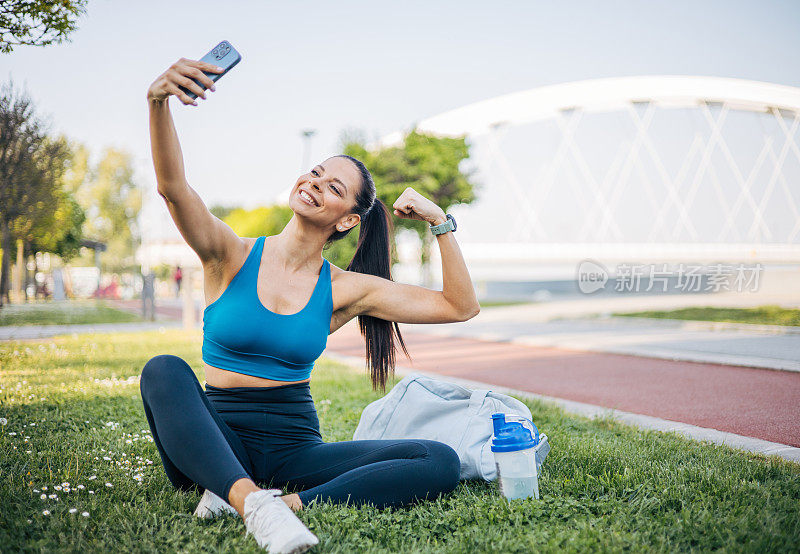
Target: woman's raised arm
212,240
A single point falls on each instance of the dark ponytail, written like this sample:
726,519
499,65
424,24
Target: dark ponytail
373,257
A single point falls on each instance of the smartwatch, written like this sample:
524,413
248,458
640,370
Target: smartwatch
449,225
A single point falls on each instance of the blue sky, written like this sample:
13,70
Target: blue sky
374,66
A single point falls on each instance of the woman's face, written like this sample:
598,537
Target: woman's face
333,186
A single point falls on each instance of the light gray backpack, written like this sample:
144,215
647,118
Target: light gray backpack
421,407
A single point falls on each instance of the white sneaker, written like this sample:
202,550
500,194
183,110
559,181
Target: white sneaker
212,505
274,525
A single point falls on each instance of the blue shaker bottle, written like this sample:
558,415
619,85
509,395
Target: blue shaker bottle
515,457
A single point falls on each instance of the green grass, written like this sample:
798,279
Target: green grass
62,313
70,402
765,315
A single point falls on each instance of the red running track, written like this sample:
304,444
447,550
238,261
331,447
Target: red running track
759,403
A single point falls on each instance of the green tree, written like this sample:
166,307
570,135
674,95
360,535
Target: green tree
221,211
37,22
430,165
28,172
112,201
78,171
342,251
68,217
58,231
264,220
163,271
53,222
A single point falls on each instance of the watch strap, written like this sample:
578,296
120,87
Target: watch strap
448,225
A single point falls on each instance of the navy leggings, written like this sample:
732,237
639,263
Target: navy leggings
271,435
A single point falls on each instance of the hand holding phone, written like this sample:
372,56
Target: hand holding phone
222,55
188,79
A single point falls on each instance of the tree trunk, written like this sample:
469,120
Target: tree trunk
6,261
21,271
25,277
35,282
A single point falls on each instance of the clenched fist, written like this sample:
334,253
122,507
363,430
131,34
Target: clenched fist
412,205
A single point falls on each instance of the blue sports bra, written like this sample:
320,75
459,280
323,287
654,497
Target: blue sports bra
241,335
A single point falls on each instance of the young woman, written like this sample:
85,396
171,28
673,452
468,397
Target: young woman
271,304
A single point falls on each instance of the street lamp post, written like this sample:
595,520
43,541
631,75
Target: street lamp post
307,134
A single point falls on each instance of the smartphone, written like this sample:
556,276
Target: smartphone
223,55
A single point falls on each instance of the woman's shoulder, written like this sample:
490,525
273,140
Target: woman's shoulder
353,278
346,288
344,278
343,275
350,286
335,269
338,274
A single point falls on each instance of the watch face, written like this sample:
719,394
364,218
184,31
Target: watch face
451,218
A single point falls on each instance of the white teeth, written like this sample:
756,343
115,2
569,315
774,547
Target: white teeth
304,194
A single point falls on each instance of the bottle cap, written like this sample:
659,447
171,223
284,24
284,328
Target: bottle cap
511,436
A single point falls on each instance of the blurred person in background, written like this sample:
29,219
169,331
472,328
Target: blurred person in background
148,296
178,276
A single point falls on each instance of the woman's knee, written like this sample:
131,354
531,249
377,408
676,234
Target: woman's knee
163,372
447,462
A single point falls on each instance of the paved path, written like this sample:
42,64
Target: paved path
27,332
168,312
751,402
762,346
585,305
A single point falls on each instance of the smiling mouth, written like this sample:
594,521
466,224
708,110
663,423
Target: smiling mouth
307,198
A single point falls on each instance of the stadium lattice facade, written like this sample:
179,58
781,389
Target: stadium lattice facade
645,169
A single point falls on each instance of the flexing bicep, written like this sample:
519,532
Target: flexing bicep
386,299
211,238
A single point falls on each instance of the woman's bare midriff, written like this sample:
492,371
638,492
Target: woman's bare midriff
224,379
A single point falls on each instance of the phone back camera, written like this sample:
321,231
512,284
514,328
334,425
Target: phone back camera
221,50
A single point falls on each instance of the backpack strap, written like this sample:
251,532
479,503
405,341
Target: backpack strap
391,401
476,399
